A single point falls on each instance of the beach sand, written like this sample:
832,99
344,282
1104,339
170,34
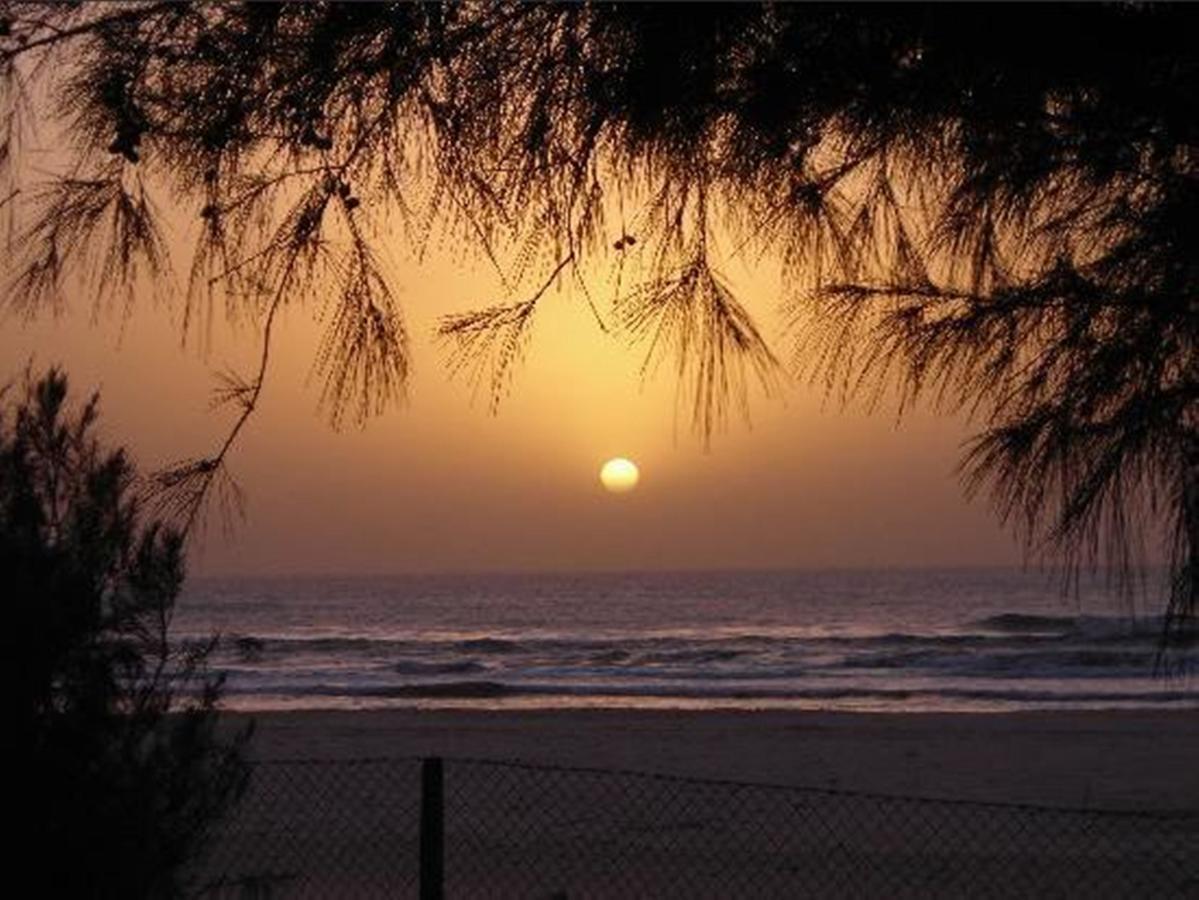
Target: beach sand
1107,759
346,828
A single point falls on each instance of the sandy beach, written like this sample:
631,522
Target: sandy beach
345,823
1113,759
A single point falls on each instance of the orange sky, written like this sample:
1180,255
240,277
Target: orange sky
439,484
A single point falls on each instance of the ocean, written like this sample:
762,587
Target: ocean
905,640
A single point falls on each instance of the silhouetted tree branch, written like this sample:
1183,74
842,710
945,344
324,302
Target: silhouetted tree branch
993,208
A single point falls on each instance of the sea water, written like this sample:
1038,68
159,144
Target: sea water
907,640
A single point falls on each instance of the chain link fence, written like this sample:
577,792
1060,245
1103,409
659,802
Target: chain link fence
315,828
499,829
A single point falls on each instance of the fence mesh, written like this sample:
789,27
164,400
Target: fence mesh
351,829
319,829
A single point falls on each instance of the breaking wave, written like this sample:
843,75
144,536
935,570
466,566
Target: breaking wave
905,641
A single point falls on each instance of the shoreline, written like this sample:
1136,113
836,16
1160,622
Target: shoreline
1114,759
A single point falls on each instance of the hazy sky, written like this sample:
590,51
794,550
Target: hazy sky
440,484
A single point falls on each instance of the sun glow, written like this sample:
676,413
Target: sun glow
619,475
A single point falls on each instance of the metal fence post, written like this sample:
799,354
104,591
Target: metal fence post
432,830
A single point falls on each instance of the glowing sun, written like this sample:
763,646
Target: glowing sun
619,475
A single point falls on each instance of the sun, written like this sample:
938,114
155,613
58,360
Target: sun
619,475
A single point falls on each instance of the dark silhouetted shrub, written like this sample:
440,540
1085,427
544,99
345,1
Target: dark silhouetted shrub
119,766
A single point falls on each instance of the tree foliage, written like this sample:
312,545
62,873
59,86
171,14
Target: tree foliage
991,207
111,727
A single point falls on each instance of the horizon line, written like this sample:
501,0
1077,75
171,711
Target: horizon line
1048,569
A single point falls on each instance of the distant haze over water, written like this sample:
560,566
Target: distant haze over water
903,640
